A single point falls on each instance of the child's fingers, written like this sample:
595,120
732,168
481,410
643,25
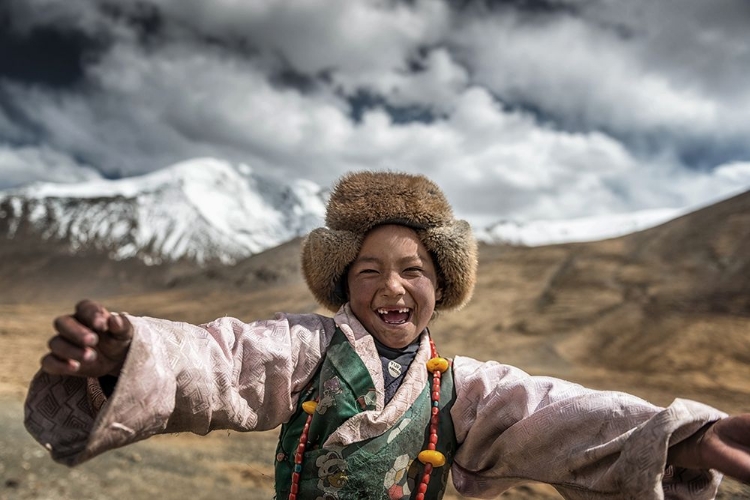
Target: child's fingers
74,332
119,327
64,350
55,366
93,315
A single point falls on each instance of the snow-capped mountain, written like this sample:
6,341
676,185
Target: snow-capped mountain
549,232
207,210
203,210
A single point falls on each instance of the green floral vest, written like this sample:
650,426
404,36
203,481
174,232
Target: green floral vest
383,467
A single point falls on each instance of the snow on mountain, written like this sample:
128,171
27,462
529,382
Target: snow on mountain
203,210
548,232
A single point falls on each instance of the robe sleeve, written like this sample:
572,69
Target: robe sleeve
513,428
179,377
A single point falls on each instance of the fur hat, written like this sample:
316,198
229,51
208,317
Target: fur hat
361,201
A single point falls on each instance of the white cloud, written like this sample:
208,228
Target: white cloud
363,37
23,165
664,79
435,86
153,108
482,152
582,73
726,180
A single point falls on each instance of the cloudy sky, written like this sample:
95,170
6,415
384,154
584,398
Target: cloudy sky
524,109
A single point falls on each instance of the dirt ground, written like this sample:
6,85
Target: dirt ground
171,467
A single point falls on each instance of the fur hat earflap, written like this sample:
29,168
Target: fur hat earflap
361,201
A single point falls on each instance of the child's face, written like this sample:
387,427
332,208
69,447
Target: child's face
393,285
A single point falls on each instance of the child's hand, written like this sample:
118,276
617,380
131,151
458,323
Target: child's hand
723,445
91,343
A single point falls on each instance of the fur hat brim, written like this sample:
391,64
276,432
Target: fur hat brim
364,200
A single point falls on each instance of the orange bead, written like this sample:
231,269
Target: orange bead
437,364
309,407
433,457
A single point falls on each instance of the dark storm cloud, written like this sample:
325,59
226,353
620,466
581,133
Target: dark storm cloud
363,101
58,56
525,6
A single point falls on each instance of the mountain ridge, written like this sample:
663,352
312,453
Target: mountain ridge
207,210
204,210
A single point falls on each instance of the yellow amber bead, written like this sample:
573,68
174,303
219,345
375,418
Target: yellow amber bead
309,407
439,364
435,458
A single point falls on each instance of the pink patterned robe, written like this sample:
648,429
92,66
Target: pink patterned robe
511,427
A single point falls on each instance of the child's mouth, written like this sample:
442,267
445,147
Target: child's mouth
394,316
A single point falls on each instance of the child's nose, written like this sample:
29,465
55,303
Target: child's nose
393,284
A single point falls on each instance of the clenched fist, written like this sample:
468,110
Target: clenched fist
93,342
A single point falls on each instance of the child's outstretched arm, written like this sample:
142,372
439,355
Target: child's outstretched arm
170,377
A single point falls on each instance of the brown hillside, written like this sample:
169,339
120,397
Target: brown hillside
667,306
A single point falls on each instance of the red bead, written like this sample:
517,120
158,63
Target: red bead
434,419
436,396
435,410
295,477
427,469
292,496
422,487
295,489
433,438
420,496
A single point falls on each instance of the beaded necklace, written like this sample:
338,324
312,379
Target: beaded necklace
430,457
